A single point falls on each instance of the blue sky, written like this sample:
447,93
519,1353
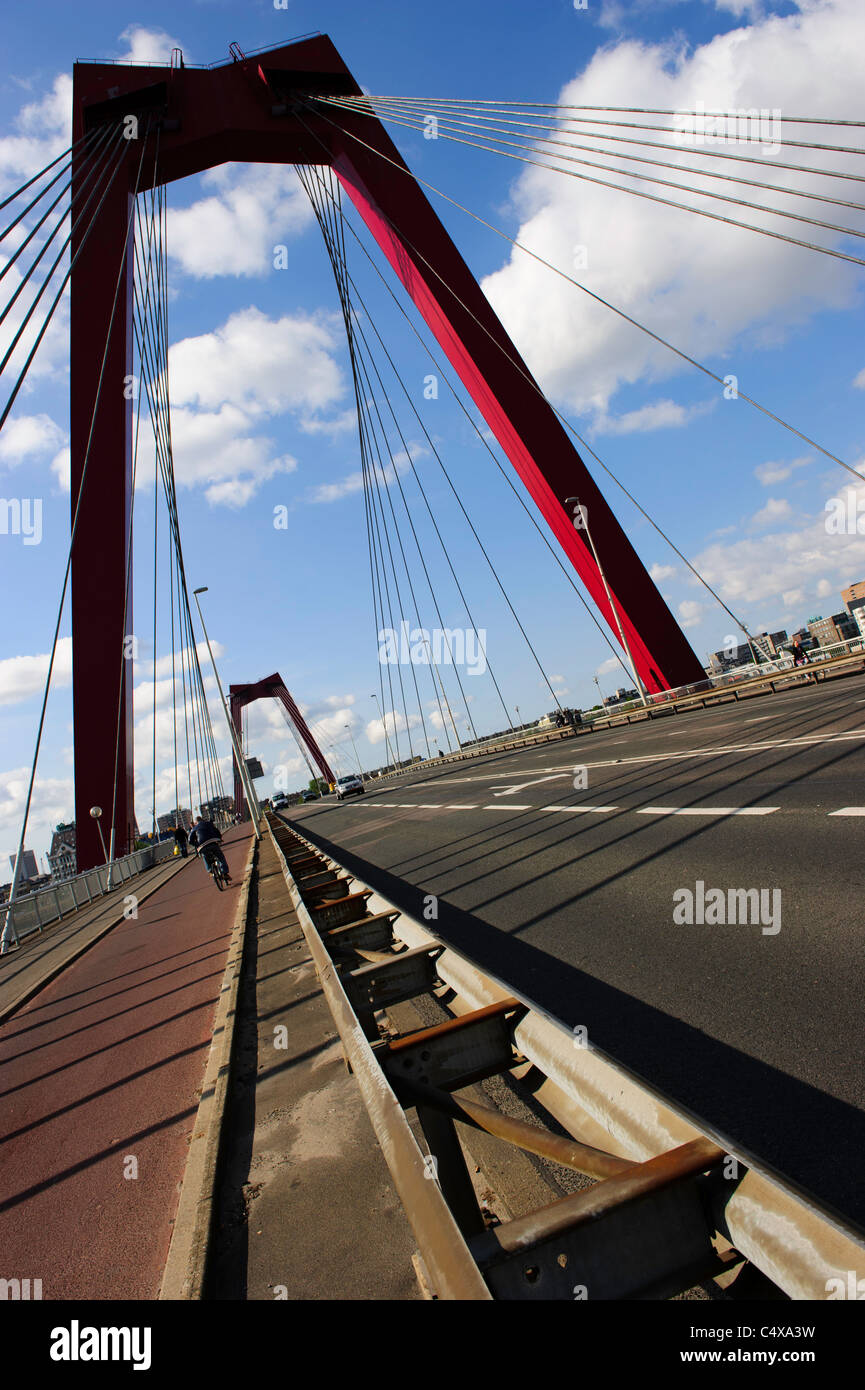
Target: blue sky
262,390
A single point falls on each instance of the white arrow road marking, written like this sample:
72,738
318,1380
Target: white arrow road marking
509,791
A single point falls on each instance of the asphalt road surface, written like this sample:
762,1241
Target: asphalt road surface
568,893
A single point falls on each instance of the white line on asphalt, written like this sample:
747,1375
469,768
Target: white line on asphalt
706,810
510,791
461,806
849,811
510,807
599,809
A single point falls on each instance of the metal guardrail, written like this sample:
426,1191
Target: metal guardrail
697,696
33,911
675,1203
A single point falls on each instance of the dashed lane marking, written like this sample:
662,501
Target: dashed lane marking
706,810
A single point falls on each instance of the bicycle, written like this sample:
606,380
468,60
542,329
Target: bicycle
215,867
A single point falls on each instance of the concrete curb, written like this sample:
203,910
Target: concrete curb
185,1266
79,949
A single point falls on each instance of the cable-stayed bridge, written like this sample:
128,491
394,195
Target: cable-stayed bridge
520,884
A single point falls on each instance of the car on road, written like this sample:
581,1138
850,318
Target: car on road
348,786
280,801
309,796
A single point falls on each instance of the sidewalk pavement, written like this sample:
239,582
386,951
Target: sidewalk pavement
99,1080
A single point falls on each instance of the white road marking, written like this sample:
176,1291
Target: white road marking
509,807
510,791
599,809
706,810
849,811
758,718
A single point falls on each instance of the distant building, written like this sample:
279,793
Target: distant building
62,856
623,693
769,644
827,631
217,804
29,867
854,602
179,816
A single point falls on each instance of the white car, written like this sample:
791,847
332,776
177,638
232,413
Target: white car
346,786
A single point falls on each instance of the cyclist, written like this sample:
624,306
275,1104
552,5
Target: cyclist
207,840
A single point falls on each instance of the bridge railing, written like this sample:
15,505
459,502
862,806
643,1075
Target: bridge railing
33,911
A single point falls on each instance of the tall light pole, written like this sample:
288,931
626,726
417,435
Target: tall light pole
242,769
354,746
584,525
390,757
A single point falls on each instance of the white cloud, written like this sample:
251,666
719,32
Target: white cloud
235,230
691,613
353,482
375,729
147,45
28,436
53,802
860,380
743,9
612,663
261,365
660,415
217,452
24,676
661,572
776,509
769,473
704,285
785,565
61,467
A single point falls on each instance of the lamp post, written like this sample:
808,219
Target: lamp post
584,525
390,756
242,769
354,746
96,812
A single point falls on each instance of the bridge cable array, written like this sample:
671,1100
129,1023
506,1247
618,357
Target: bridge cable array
621,313
739,622
324,192
37,287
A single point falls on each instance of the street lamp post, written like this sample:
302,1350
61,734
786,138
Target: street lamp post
584,522
96,812
390,756
242,769
354,746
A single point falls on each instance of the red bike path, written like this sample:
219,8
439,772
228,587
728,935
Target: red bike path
103,1067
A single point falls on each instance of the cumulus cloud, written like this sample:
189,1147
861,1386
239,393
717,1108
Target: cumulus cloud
691,613
776,509
24,676
249,213
147,45
787,565
769,473
53,802
225,383
704,285
28,437
261,365
661,572
660,415
354,482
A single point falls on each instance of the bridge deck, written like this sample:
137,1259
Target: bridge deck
101,1066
